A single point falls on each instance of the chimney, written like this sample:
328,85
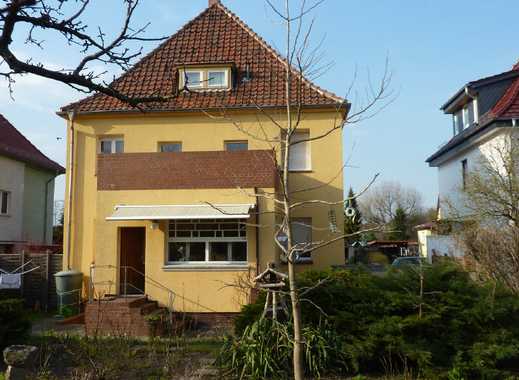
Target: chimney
213,2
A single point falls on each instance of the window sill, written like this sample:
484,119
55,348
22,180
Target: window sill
204,267
5,215
300,171
301,262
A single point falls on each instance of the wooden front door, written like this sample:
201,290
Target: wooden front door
133,246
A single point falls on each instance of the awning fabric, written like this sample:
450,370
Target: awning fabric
201,211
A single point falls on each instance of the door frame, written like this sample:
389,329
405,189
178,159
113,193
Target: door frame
142,269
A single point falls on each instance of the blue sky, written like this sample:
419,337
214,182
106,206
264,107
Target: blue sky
434,48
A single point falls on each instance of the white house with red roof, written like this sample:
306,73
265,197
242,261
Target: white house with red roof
26,190
483,113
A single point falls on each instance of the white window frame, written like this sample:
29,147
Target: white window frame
7,205
195,86
161,143
464,114
308,158
113,144
207,241
226,78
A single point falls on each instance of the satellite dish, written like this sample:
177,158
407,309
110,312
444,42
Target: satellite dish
350,212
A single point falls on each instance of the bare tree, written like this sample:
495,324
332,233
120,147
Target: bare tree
489,213
382,201
66,19
302,62
491,190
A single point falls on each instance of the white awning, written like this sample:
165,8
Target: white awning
162,212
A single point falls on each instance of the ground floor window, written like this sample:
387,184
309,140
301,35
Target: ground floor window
217,241
4,202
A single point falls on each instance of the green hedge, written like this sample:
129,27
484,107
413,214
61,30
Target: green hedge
465,328
14,323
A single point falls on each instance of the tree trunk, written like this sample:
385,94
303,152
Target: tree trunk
296,318
294,297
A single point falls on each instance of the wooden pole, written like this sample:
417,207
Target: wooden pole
274,305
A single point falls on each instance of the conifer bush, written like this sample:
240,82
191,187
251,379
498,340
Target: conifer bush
368,324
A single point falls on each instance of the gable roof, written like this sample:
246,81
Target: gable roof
506,108
14,145
216,36
508,105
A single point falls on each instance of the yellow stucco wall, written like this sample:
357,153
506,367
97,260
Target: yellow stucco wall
95,240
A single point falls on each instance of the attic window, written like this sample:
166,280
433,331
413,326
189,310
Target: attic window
212,78
465,117
217,78
193,79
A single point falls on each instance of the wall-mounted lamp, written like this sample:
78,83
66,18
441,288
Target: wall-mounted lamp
154,224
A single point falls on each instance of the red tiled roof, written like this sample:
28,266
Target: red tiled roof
506,108
508,105
14,145
215,36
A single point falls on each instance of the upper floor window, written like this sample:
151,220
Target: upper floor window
170,147
217,78
232,146
193,79
205,78
111,145
302,238
464,174
300,156
4,202
465,117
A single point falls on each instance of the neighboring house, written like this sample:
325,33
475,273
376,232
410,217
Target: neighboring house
26,191
164,199
484,113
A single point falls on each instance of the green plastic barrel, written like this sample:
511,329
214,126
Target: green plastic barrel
68,287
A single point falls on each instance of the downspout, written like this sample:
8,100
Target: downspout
45,213
71,116
257,232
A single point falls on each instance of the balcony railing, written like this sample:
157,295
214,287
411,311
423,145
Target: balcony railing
186,170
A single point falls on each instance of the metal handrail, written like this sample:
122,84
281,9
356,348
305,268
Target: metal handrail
93,267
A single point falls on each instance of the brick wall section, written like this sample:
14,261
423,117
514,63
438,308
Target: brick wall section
119,317
127,317
186,170
212,321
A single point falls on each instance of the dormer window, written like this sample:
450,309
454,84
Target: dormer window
465,117
217,78
193,79
208,78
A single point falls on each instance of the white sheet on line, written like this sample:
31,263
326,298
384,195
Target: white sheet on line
10,280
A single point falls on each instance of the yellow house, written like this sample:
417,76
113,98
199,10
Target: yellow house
174,200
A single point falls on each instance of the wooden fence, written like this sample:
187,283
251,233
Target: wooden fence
38,287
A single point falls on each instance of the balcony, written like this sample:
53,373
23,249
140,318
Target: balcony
186,170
